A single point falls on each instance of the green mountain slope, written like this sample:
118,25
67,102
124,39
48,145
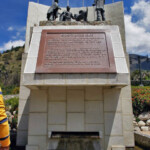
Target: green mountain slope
10,68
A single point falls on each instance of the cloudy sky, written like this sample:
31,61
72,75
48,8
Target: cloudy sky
13,18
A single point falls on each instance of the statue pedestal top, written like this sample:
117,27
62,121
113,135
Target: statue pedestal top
53,23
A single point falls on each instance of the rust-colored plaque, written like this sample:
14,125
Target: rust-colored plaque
75,51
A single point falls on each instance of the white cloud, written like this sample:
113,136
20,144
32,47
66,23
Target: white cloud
14,37
142,10
18,29
137,34
18,33
22,29
10,29
8,45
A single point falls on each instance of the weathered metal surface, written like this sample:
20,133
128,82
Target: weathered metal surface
75,51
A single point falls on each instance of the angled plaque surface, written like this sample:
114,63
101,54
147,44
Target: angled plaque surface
75,51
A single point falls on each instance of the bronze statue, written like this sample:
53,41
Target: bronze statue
66,15
100,9
52,13
82,15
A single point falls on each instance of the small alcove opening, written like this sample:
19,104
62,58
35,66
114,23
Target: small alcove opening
56,134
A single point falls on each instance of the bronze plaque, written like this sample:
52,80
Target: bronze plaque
75,51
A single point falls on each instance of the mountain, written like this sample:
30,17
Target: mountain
134,62
10,68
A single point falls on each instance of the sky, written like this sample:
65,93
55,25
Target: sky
13,19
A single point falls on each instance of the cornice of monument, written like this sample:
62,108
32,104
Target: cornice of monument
55,23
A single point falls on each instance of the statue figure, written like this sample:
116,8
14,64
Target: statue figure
100,9
52,13
66,15
82,15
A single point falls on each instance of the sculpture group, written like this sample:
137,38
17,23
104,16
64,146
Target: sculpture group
53,13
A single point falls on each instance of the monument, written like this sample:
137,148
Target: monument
100,9
82,16
52,13
66,15
75,84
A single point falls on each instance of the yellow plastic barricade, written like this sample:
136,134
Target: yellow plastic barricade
4,127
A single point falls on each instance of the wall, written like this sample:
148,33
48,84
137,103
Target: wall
76,109
120,78
23,112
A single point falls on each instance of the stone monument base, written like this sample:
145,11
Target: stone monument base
56,101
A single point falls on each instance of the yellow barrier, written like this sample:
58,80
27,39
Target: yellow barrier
4,127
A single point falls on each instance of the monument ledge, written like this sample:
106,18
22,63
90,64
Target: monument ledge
120,78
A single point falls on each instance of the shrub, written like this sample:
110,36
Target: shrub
15,90
14,122
135,75
13,103
9,90
140,99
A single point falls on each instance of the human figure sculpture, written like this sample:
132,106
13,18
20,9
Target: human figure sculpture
52,13
82,15
100,9
66,15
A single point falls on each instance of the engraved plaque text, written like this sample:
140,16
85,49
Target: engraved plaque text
75,51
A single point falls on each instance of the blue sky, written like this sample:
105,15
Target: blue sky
13,18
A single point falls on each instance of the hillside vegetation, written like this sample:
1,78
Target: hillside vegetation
10,69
